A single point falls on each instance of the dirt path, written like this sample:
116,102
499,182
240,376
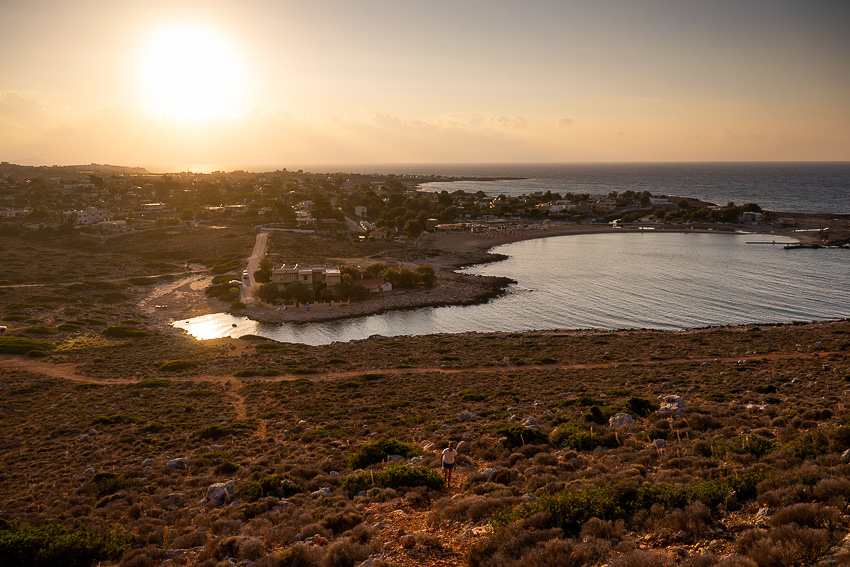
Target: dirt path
69,371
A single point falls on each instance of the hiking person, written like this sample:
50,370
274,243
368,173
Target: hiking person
449,459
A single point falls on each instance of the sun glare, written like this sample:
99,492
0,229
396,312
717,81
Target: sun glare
192,73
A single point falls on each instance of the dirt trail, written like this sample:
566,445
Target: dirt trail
69,371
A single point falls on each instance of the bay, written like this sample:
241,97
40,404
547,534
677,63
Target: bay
622,280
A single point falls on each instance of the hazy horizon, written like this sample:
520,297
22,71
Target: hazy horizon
269,82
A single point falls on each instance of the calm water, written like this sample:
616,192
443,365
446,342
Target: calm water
611,281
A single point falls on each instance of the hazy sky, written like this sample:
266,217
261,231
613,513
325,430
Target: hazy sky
280,82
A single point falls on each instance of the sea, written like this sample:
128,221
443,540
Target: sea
626,280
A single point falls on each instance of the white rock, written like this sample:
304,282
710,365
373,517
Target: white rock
620,420
221,493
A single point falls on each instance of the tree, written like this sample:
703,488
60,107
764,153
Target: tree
298,292
187,215
413,228
268,292
264,274
425,274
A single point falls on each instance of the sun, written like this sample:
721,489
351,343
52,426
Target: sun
192,73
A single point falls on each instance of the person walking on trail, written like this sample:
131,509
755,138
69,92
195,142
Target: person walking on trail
449,458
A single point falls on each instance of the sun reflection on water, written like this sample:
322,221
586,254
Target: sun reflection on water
217,325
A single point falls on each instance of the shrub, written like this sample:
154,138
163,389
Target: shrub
517,435
40,330
810,444
18,345
378,451
581,438
141,280
641,406
54,544
255,371
120,331
177,365
394,476
214,432
280,485
113,419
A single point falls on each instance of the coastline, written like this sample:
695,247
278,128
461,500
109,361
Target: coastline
446,252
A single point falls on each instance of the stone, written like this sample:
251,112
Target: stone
466,415
90,471
221,493
619,420
394,458
322,492
529,497
845,456
463,447
513,419
672,406
407,541
530,421
180,463
488,471
658,443
148,462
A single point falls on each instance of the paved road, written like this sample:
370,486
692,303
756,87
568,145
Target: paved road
249,286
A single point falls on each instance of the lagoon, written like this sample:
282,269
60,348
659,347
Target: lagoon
626,280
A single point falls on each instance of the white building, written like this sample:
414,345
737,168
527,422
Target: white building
89,216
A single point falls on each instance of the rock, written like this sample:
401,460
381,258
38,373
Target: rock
672,406
91,471
529,497
92,432
322,492
445,428
148,462
407,541
394,458
658,443
334,474
180,463
221,493
513,419
466,415
620,420
463,447
845,456
319,540
530,421
488,471
427,446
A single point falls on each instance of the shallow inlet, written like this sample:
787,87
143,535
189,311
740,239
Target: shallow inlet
609,281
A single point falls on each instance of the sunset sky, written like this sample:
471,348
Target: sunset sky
290,83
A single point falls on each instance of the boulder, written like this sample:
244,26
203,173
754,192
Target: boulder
672,406
466,415
180,463
326,491
221,493
530,421
148,462
463,447
620,420
408,541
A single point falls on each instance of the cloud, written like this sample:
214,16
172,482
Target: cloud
565,122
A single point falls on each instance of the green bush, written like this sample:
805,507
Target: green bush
582,438
394,476
54,544
40,330
378,451
177,365
280,485
120,331
113,419
746,444
19,345
254,371
517,435
137,280
219,431
810,444
641,406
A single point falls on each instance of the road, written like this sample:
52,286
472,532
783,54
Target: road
249,286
